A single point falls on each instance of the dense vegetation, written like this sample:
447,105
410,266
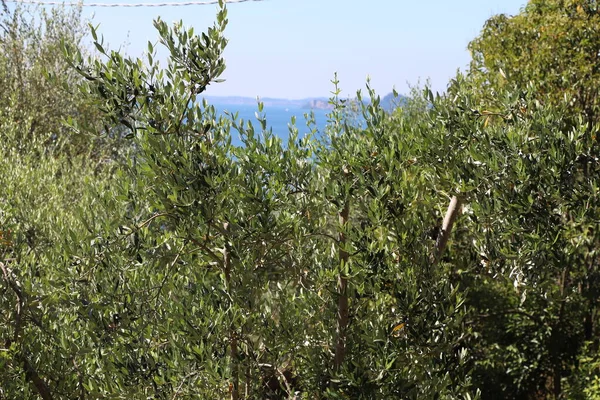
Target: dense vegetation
444,250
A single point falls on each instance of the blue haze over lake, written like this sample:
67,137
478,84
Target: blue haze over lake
278,118
278,112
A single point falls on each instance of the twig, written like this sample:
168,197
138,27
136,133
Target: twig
285,381
152,218
171,265
185,378
207,250
20,299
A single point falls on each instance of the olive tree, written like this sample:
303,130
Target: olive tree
264,269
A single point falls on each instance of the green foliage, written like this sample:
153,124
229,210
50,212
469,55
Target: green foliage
530,87
552,43
585,383
42,201
196,268
529,176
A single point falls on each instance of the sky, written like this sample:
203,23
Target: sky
292,48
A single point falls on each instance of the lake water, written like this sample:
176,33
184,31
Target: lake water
278,118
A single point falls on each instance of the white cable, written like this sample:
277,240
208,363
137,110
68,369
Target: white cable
179,4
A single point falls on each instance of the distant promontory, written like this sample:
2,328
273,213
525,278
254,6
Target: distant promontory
388,102
319,104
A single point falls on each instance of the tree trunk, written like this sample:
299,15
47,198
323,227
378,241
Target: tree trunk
233,342
342,314
30,372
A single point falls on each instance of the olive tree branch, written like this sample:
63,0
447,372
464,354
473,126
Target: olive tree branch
452,213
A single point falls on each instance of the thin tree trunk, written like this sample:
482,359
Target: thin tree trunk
40,385
233,342
442,240
558,335
30,372
342,315
235,368
247,384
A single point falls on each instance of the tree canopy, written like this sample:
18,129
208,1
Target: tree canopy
552,44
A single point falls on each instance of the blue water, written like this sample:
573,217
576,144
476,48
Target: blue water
278,119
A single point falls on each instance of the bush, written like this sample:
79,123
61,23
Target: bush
40,89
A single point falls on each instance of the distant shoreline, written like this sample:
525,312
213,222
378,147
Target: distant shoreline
388,102
267,101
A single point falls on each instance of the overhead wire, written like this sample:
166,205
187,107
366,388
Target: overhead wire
164,4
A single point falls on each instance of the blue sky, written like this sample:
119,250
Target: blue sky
291,48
